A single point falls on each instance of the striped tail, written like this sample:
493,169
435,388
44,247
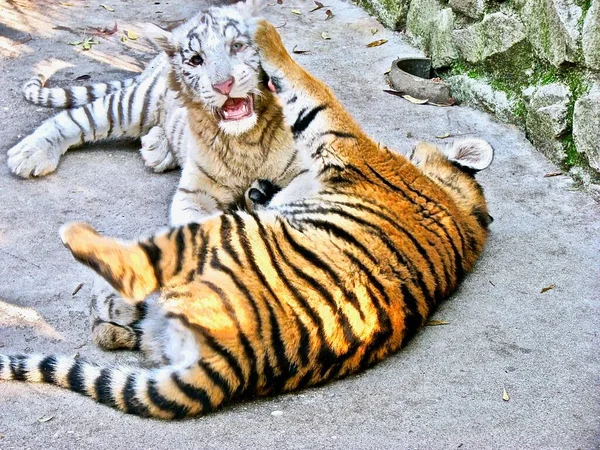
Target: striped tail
168,392
72,96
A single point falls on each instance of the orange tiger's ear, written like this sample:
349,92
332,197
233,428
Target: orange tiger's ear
474,154
125,266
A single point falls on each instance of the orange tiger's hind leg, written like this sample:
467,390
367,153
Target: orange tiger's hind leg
126,266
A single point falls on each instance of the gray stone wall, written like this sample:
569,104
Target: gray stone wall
535,63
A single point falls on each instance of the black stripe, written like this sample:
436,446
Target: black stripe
412,318
133,405
227,357
76,379
120,109
192,392
130,106
286,367
226,232
17,367
103,388
292,100
48,369
91,120
109,115
180,249
216,264
89,93
304,119
163,403
70,116
339,134
146,103
154,254
202,253
68,97
217,379
250,383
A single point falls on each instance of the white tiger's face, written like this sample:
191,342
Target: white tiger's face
216,66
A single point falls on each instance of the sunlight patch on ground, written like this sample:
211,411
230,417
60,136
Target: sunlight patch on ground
18,316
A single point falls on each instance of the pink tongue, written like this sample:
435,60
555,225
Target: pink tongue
234,108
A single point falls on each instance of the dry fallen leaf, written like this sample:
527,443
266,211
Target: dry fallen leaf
131,35
329,14
387,71
393,92
435,323
65,4
106,31
505,396
552,174
45,419
299,52
444,136
75,43
296,11
319,6
325,36
80,285
374,30
416,101
547,288
123,39
377,43
108,8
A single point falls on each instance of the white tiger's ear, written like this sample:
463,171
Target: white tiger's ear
250,8
161,37
475,154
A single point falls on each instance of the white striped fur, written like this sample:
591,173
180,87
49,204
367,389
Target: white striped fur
176,110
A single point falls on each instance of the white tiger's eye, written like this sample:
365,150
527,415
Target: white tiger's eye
237,46
196,60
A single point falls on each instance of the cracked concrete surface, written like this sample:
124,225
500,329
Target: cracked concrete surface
444,391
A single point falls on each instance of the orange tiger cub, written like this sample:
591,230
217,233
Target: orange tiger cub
321,283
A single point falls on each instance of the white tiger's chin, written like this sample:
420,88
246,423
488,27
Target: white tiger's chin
237,127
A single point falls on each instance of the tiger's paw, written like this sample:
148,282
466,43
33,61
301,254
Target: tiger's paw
273,55
260,194
33,157
156,151
112,319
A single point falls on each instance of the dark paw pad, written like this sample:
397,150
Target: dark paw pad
262,192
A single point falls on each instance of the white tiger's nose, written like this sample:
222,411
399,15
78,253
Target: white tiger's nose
225,86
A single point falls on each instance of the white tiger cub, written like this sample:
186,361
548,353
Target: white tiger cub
202,105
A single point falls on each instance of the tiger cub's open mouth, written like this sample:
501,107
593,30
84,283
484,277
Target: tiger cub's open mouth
237,108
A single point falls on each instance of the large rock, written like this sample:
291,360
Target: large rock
591,36
552,28
495,34
586,127
478,93
441,47
547,118
392,13
470,8
420,21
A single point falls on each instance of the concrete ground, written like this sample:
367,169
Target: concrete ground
444,391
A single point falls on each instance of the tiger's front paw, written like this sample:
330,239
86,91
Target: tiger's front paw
273,55
156,152
260,194
33,157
